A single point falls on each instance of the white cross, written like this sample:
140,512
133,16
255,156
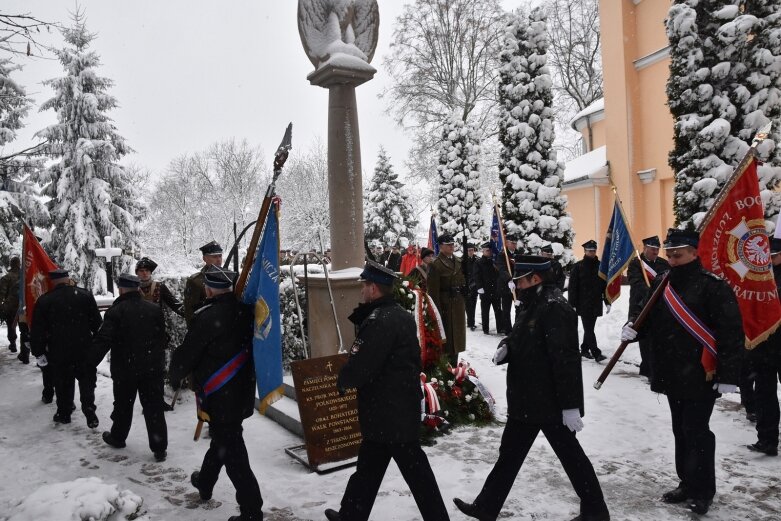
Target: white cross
108,252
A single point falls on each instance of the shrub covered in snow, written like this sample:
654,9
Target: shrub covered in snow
388,214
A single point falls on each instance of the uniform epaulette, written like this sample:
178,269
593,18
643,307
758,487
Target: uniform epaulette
207,306
711,274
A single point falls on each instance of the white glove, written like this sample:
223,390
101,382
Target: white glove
480,291
627,333
607,309
501,353
571,418
41,361
516,303
725,388
511,285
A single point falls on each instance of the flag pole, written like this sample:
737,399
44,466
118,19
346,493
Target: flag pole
504,244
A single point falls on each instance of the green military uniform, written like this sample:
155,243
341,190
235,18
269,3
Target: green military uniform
194,294
445,285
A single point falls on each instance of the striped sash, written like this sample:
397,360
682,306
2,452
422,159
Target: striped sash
696,328
217,380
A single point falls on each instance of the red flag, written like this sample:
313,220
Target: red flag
735,246
36,268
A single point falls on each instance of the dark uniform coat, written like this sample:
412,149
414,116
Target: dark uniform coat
558,276
486,275
638,289
393,262
134,330
586,290
220,329
9,294
384,366
64,321
543,373
194,294
676,367
445,286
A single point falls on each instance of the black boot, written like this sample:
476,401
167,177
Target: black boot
160,455
92,419
679,495
700,506
47,397
206,496
472,510
764,447
61,418
585,354
12,346
332,515
111,440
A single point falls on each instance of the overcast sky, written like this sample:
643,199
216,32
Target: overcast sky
188,73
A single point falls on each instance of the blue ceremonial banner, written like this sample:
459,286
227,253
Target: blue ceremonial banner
617,253
262,292
432,236
497,235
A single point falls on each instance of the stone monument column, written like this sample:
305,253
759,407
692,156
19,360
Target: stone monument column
339,38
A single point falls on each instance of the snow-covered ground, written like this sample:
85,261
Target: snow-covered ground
627,437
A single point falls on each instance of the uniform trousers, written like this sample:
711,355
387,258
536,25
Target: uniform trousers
589,343
695,445
506,324
471,306
48,382
486,303
767,375
645,357
65,376
517,439
227,449
150,393
747,383
12,323
373,459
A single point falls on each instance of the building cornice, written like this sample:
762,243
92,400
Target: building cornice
650,59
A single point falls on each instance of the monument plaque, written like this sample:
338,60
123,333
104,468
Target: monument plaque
330,421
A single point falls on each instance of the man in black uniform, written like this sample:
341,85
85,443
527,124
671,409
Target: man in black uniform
677,367
505,284
486,275
638,288
766,361
221,332
544,393
384,366
557,272
470,261
585,293
64,322
134,330
393,262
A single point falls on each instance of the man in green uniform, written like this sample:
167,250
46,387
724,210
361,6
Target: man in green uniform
446,286
194,292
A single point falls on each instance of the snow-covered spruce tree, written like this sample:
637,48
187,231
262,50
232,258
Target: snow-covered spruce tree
388,215
459,199
93,196
18,195
531,177
719,98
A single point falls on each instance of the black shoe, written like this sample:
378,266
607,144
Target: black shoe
604,516
47,398
752,417
700,506
12,347
471,510
111,440
61,418
160,455
586,354
332,515
599,357
206,496
92,419
471,328
167,407
764,447
679,495
24,357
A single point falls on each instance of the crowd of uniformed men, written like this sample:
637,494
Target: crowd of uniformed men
540,347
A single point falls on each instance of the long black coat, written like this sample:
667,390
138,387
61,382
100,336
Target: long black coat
486,275
586,290
638,289
220,329
676,367
384,366
134,330
64,322
544,375
558,277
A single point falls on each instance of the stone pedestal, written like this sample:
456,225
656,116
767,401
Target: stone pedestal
323,340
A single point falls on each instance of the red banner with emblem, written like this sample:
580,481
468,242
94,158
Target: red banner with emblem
36,267
735,246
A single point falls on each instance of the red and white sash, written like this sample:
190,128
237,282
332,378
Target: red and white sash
695,327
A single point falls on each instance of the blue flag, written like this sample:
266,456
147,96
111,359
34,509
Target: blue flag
433,243
617,253
262,292
497,235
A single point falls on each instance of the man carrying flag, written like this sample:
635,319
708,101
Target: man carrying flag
641,272
696,338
